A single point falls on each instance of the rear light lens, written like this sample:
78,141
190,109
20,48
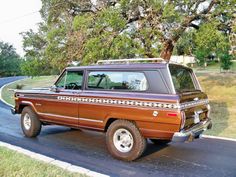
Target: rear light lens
209,110
183,118
172,114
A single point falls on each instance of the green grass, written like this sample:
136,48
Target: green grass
215,67
29,83
220,88
14,164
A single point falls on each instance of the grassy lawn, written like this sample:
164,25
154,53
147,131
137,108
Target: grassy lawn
215,67
14,164
220,88
36,82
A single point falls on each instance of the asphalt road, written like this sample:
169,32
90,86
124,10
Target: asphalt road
203,157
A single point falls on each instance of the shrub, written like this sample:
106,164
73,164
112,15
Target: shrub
19,86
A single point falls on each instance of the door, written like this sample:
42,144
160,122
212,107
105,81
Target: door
61,105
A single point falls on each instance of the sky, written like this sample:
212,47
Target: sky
18,16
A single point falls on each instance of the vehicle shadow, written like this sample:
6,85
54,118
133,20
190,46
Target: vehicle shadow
153,148
89,139
219,115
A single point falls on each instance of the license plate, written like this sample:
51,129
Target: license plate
196,117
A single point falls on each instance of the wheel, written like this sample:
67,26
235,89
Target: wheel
30,124
124,140
159,141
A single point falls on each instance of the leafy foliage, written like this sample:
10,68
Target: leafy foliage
210,41
86,31
9,60
225,61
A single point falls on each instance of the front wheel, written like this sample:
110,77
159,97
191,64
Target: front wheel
30,124
124,140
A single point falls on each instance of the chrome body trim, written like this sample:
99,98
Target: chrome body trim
56,115
27,102
193,104
91,120
69,117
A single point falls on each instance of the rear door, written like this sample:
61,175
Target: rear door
104,91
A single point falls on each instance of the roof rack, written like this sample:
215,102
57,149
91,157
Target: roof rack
127,61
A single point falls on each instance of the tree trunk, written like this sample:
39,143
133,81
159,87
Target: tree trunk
167,50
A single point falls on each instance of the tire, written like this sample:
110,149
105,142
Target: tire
159,142
133,145
30,124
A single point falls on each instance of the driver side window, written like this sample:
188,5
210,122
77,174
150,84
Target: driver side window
71,80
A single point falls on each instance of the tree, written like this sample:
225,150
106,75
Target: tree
186,44
35,44
209,40
225,61
87,31
9,60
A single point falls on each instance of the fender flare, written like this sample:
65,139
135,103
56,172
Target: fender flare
27,103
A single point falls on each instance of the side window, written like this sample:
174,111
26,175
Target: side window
71,80
134,81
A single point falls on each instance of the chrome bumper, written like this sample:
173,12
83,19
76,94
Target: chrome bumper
13,111
190,134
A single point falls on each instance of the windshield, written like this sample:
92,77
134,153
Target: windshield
182,79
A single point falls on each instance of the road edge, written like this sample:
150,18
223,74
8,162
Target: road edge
1,99
64,165
218,137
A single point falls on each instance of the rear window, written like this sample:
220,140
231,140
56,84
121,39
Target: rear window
109,80
182,79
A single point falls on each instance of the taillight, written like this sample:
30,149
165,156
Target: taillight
209,110
172,114
183,118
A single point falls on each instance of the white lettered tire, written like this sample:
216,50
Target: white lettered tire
30,124
124,140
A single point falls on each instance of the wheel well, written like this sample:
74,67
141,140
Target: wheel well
21,107
109,122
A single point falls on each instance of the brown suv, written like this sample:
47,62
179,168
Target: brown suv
129,101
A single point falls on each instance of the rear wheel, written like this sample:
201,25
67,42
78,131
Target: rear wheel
30,124
159,141
124,140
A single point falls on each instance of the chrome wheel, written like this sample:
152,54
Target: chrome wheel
27,121
123,140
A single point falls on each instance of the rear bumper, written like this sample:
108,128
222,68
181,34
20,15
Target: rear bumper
190,134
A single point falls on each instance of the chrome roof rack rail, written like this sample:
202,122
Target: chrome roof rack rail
127,61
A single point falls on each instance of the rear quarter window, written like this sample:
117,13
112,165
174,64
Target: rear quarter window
117,80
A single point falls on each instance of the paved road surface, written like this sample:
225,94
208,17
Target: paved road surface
204,157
